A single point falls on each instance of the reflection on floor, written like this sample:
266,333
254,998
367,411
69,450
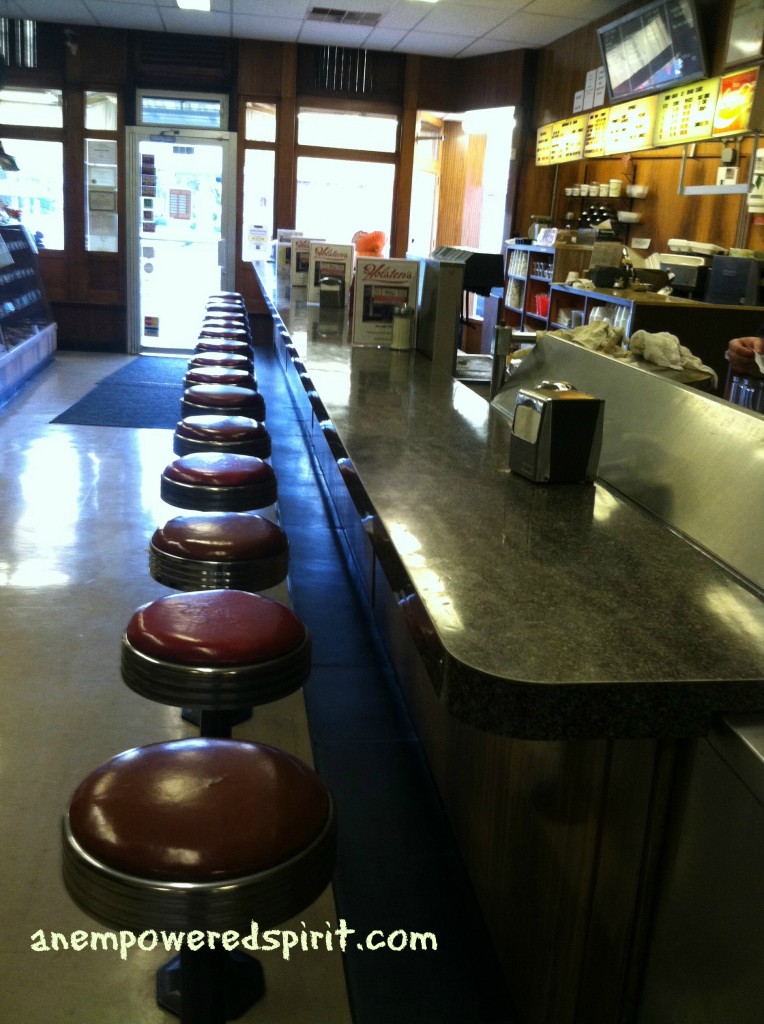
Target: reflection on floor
79,506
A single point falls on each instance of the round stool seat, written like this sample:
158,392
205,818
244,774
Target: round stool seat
219,550
221,306
230,333
219,481
211,433
225,324
241,348
235,297
215,649
223,399
232,360
220,375
206,834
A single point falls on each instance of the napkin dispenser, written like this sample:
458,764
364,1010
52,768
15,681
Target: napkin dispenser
556,434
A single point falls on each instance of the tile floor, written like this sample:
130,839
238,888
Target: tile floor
78,505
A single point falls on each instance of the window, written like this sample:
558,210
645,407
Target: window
336,198
340,195
32,108
257,227
260,122
257,212
36,190
182,110
100,111
342,130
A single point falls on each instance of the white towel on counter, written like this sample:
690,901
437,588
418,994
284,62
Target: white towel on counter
663,349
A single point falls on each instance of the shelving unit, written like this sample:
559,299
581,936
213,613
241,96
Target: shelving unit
27,334
703,327
530,273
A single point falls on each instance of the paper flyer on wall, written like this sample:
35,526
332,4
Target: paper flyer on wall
327,259
301,259
380,286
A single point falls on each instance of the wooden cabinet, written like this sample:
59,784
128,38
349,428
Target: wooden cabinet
530,273
27,334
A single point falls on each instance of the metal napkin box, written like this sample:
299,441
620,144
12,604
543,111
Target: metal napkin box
556,434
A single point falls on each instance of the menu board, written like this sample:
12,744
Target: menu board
686,114
596,129
544,145
735,102
565,140
631,126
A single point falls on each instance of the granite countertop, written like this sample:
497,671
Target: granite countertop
559,611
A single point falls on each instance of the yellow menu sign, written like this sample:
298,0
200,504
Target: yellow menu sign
631,126
686,114
596,130
562,141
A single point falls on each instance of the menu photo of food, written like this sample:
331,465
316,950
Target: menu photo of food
735,102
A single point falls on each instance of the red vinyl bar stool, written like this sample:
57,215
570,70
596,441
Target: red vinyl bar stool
220,375
231,360
215,653
222,399
219,482
239,346
227,333
211,433
235,297
219,551
200,834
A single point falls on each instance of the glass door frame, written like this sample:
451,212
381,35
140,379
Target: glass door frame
178,136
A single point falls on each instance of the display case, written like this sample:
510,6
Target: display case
530,272
27,333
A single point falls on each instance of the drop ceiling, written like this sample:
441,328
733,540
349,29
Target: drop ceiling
448,28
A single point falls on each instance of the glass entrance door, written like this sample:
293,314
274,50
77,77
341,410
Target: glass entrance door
180,231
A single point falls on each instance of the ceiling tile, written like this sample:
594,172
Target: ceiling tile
433,43
332,34
467,21
123,15
281,29
384,39
283,9
484,46
50,10
534,29
197,22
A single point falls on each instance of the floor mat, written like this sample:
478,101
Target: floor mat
144,393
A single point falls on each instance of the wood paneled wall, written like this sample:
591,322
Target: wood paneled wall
723,220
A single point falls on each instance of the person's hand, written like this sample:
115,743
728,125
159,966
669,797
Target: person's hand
741,354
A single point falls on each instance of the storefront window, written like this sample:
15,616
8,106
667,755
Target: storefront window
260,122
340,130
257,212
336,198
100,111
32,108
182,110
36,190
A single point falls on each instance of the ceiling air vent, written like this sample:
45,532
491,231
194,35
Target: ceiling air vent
340,17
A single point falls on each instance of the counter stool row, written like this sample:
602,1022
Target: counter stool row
216,832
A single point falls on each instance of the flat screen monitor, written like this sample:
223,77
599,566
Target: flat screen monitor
652,49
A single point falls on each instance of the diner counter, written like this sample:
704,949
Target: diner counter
540,612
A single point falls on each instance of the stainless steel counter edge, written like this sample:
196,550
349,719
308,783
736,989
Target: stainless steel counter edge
539,612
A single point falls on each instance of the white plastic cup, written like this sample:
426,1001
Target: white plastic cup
615,187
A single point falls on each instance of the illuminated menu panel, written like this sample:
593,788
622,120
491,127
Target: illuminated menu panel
544,145
596,130
631,126
735,102
686,114
565,142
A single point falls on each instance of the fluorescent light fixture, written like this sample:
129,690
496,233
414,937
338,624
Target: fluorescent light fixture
193,5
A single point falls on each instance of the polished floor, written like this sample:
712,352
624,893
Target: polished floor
79,504
78,507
